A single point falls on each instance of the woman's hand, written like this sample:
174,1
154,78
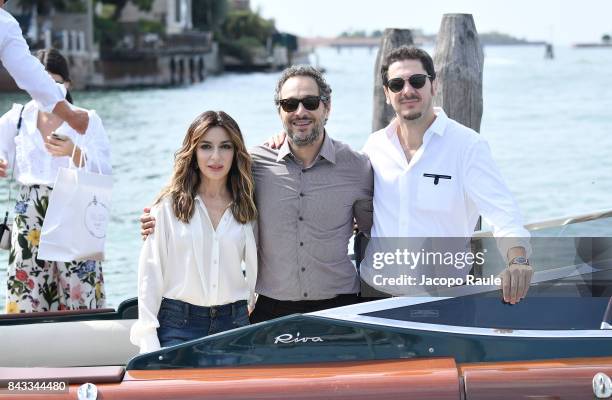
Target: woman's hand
59,147
63,146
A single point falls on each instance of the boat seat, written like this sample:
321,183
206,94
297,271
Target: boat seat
67,344
80,375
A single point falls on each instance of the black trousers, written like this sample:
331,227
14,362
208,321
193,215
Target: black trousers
267,308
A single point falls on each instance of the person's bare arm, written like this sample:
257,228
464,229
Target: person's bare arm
77,119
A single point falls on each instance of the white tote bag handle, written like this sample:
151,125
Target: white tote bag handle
82,159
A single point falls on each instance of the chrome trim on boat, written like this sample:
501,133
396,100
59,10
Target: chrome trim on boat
87,391
602,386
592,216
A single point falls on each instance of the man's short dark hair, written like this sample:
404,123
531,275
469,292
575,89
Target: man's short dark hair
303,70
407,53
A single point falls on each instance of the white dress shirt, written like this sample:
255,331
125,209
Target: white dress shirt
409,204
26,70
192,263
34,164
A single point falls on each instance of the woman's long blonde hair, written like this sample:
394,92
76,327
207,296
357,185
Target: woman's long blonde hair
186,179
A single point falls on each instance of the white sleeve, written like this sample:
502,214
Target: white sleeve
96,146
486,188
250,261
26,70
8,131
151,266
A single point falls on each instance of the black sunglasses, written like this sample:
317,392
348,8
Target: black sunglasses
310,103
417,81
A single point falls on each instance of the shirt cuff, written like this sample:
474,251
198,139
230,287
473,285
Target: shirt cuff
48,108
149,343
506,243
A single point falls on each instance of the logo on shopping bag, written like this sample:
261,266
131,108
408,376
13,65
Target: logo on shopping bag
96,218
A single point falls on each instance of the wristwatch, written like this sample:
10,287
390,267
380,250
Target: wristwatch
520,260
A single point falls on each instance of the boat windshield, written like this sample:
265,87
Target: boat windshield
571,288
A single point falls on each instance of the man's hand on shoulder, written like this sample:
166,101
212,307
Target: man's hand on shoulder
147,223
275,142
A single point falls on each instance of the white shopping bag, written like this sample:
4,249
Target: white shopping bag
74,228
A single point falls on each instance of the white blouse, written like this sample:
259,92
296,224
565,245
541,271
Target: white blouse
192,263
34,164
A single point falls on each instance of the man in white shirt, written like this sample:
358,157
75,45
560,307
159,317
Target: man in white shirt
433,177
30,75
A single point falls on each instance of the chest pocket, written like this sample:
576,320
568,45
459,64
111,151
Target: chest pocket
436,193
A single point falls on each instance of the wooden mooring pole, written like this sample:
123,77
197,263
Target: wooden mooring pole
459,65
391,39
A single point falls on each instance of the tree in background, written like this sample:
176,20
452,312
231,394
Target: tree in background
209,15
243,33
246,23
119,5
606,39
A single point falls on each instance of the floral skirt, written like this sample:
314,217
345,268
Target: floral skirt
36,285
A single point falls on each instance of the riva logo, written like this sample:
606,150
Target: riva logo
289,338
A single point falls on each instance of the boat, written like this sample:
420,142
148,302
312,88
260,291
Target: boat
555,344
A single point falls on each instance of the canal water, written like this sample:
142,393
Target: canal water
548,122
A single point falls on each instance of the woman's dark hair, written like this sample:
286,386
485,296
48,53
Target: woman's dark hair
186,179
55,63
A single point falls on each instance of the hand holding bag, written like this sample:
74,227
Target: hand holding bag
75,225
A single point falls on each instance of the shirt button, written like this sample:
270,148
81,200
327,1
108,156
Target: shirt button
301,243
214,286
303,269
301,194
305,294
301,219
304,170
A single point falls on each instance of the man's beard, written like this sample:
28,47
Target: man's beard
315,133
412,117
418,114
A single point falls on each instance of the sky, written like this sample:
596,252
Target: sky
562,22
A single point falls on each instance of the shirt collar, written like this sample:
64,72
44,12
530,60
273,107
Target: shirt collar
438,126
327,150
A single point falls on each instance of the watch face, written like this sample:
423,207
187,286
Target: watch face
520,260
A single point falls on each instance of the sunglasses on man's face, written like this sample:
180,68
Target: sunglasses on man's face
417,81
310,103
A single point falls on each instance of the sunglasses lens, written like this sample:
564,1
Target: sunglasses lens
289,105
417,81
311,103
396,84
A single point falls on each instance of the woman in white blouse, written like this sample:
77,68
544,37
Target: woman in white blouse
35,144
190,277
